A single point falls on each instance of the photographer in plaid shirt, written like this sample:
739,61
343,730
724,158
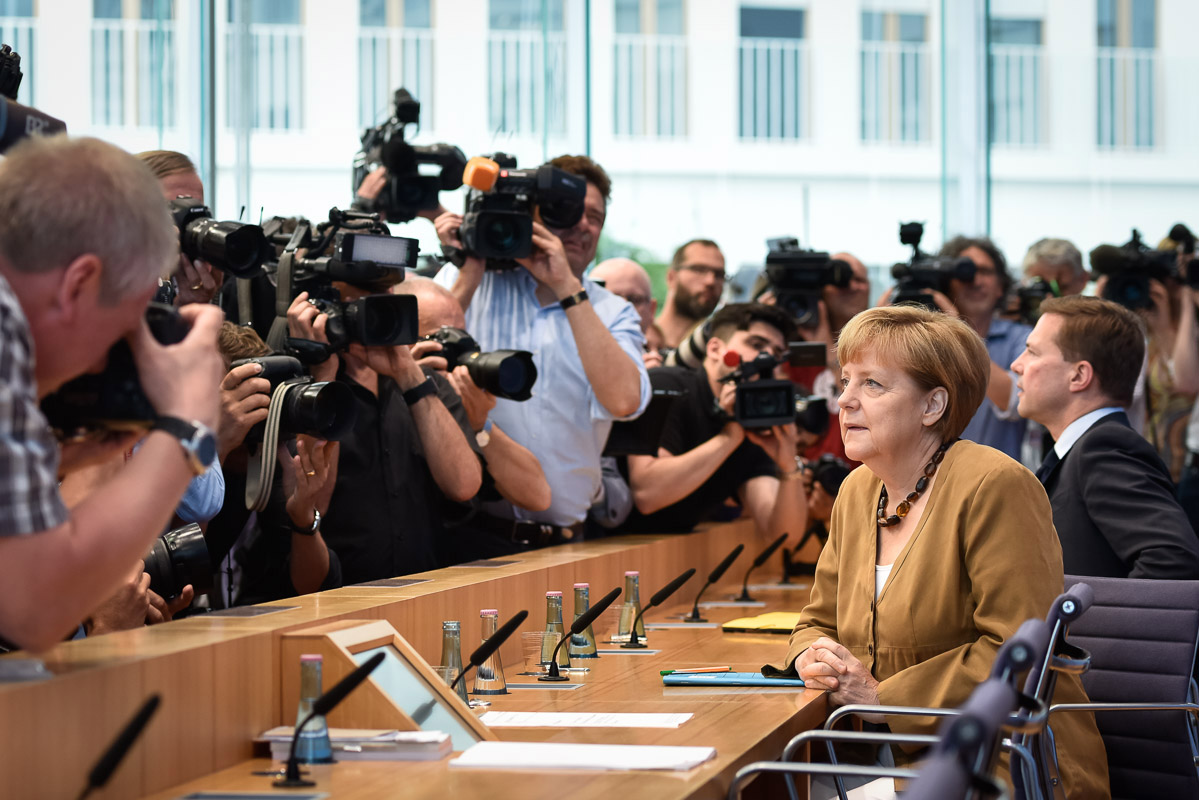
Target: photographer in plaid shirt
84,237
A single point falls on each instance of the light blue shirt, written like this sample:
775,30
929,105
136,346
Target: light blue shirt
563,423
205,495
1003,430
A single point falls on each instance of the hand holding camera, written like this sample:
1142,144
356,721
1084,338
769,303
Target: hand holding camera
477,402
181,379
306,321
548,263
196,281
245,399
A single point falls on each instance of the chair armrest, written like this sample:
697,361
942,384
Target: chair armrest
855,737
804,768
1193,708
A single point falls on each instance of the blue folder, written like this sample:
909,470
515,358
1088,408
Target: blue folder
727,679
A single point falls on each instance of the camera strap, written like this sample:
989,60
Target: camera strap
260,469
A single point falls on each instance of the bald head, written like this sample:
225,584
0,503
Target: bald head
628,279
436,306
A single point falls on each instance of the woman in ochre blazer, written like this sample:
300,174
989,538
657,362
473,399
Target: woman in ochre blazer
939,549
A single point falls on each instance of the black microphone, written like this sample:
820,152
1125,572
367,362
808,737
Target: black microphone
659,598
578,626
484,651
323,705
759,561
712,578
115,753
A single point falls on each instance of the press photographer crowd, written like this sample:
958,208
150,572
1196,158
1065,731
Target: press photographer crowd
199,414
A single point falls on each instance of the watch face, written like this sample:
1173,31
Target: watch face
206,449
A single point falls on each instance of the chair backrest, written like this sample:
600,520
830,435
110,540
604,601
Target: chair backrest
1142,636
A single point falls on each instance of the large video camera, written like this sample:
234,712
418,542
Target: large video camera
360,252
503,202
233,247
916,280
111,400
408,191
762,401
797,278
18,121
505,373
1129,268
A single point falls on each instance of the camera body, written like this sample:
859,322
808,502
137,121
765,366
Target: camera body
233,247
505,373
111,400
1029,296
761,401
1130,267
797,278
918,278
408,191
316,408
18,121
503,201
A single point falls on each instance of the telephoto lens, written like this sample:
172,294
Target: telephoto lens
505,373
180,557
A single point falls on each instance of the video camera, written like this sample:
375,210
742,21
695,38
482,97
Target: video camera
797,278
111,400
234,247
762,401
407,191
1130,267
503,202
916,280
505,373
361,252
1030,294
18,121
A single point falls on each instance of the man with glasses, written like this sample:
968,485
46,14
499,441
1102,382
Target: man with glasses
627,279
694,284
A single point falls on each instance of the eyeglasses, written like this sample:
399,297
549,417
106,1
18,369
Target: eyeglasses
713,272
637,299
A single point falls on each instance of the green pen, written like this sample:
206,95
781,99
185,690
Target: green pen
694,671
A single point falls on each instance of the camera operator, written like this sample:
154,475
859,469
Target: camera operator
84,237
997,422
705,456
1057,262
694,284
409,442
587,344
281,551
193,281
511,473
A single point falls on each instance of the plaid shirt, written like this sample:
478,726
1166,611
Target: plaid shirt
29,498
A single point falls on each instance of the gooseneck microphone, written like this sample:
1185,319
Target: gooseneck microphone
484,651
577,627
660,597
323,705
116,751
712,578
759,561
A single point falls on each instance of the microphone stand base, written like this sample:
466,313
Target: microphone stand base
634,646
293,783
744,598
694,619
553,678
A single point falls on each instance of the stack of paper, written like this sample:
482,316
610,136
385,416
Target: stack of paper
565,719
363,744
552,755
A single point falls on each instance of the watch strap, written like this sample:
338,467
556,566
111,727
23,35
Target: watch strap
574,299
305,531
420,391
188,433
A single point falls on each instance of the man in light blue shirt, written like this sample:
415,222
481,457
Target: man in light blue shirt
586,344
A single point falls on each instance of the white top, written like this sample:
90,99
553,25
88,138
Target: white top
1078,427
880,577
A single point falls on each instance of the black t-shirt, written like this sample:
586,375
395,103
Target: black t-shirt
386,510
694,419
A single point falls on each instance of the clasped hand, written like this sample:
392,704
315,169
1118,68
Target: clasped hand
829,665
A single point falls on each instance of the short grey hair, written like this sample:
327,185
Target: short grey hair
62,197
1055,253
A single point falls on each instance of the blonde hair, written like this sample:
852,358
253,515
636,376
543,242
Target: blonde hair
935,350
61,198
166,162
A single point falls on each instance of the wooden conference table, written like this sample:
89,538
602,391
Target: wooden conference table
219,678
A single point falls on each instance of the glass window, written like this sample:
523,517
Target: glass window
1107,23
872,26
670,17
772,23
1017,82
897,78
106,9
911,27
627,15
269,12
372,13
417,14
1015,31
525,15
1144,23
157,9
16,8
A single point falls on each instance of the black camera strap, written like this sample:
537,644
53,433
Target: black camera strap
260,471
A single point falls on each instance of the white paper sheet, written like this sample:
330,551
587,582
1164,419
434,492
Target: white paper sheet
553,755
552,719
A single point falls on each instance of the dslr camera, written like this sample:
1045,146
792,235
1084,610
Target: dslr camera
409,190
918,278
1131,266
762,401
177,558
299,404
111,400
502,203
1029,296
797,278
505,373
234,247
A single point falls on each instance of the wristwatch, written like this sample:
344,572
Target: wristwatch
197,439
483,437
312,531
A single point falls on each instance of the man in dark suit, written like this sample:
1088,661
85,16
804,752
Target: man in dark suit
1113,502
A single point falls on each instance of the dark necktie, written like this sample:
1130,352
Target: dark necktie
1047,466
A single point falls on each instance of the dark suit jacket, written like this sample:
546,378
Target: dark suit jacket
1114,508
